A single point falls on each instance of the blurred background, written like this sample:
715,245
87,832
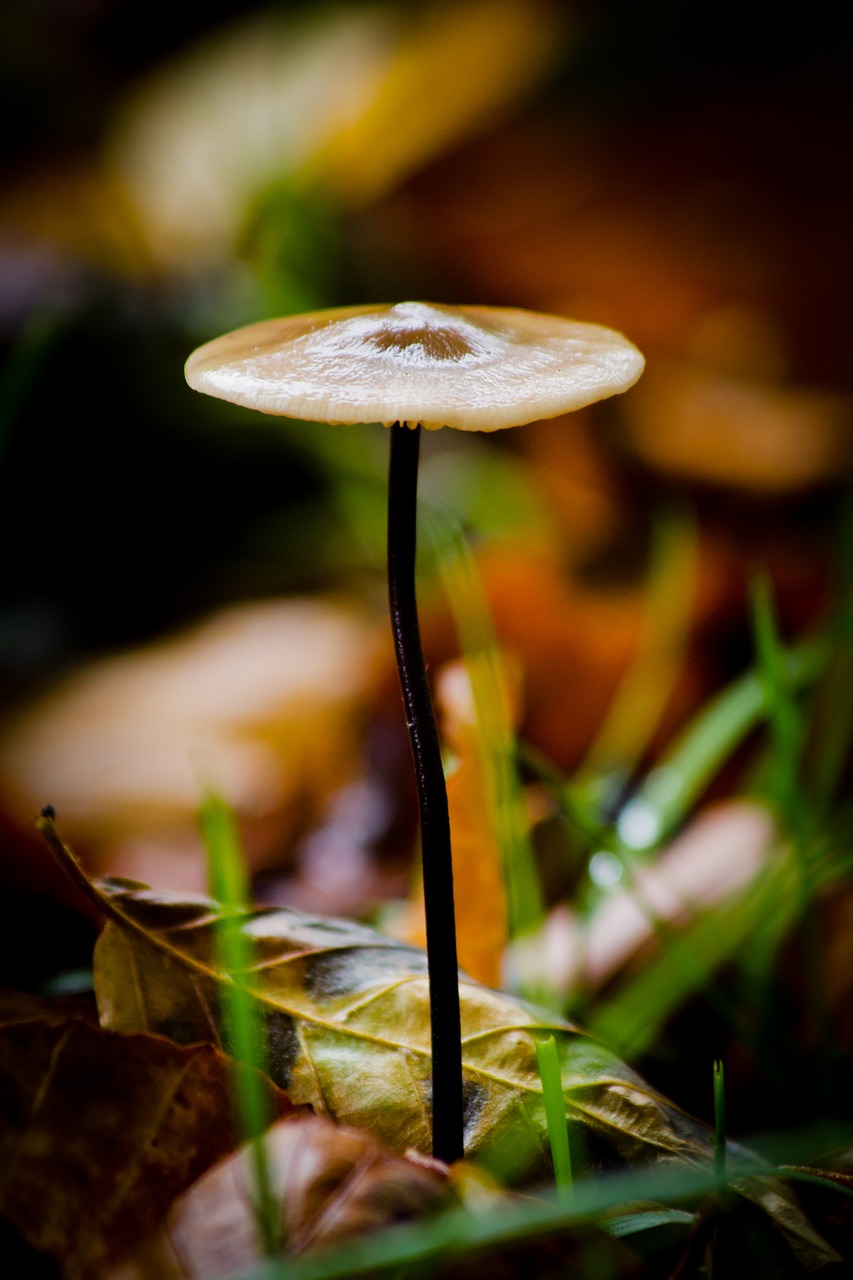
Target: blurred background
192,591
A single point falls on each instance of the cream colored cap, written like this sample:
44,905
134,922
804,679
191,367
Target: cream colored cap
472,368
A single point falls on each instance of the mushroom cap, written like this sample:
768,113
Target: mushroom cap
472,368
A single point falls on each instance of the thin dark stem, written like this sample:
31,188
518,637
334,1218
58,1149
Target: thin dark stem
445,1023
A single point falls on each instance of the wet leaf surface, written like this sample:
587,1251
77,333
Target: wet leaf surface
345,1013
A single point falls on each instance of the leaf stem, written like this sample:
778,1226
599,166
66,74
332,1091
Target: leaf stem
445,1018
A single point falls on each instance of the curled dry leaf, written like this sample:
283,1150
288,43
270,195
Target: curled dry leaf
99,1131
331,1183
345,1013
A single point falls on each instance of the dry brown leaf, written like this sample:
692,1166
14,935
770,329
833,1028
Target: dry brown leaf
100,1131
333,1184
330,1183
432,94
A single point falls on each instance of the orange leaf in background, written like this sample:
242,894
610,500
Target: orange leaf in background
573,643
753,434
479,893
99,1131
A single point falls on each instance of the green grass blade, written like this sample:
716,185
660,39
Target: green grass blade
229,885
787,724
555,1114
631,1224
642,696
783,713
495,734
555,1105
577,804
633,1019
831,728
671,789
226,869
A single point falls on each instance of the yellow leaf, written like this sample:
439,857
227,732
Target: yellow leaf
345,1012
434,91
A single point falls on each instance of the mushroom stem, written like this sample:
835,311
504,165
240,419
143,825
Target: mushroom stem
445,1021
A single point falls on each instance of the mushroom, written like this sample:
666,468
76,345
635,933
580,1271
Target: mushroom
414,365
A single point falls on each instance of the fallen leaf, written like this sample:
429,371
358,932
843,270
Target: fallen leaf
336,1184
331,1183
761,436
267,698
345,1015
346,1018
826,1193
99,1131
349,105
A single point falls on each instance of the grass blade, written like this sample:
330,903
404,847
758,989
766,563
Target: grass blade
229,885
783,713
642,696
668,793
496,737
555,1114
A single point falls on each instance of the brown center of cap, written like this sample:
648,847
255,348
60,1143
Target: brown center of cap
435,342
469,368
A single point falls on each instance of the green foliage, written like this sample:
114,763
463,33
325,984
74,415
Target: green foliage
292,240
